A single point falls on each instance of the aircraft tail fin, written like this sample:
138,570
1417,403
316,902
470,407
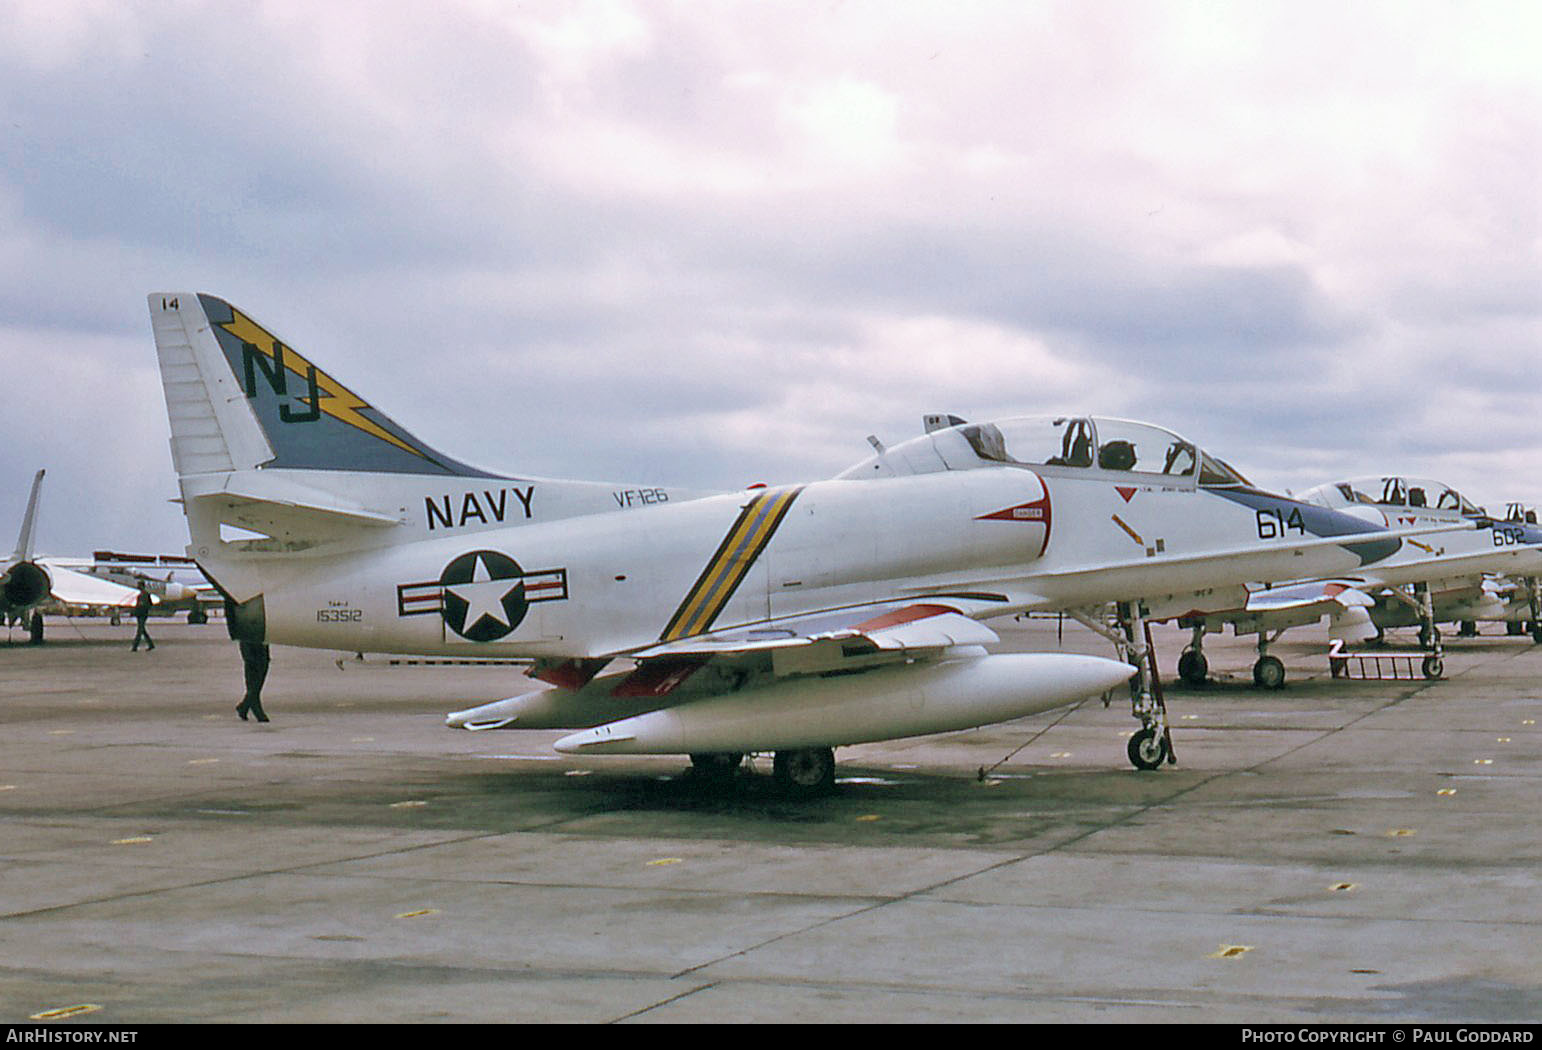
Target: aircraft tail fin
239,398
23,550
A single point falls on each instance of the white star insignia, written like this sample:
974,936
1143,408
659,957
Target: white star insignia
483,596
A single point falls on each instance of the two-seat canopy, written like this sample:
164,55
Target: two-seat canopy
1070,445
1391,491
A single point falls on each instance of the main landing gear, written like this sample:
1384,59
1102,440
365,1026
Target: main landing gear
804,772
799,772
1268,671
716,767
1193,668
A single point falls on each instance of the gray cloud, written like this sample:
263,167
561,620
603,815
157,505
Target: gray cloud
647,241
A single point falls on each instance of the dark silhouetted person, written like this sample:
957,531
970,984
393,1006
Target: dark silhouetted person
141,614
254,661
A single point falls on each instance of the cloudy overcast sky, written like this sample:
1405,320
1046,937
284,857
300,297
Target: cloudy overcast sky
711,244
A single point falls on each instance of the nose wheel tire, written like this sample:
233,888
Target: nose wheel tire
1433,667
1148,749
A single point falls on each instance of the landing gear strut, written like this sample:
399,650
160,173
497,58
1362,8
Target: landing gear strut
1429,634
1153,744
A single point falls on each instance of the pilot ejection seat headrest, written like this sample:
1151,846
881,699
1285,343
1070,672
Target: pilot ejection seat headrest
1117,455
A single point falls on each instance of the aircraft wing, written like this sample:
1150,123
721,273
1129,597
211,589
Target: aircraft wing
1321,595
78,588
883,626
854,638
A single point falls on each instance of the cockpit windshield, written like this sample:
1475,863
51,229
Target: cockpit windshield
1065,441
1073,442
1393,491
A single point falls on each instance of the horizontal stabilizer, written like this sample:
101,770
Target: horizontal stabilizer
284,496
79,588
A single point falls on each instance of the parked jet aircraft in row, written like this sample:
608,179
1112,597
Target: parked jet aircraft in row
1429,581
28,582
792,619
174,579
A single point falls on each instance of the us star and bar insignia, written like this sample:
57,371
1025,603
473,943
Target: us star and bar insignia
482,595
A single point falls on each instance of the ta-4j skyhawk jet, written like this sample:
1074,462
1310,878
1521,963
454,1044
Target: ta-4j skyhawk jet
792,619
1431,580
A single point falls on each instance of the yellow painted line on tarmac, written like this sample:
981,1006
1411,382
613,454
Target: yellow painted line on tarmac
1446,791
202,761
421,913
1230,951
868,818
664,861
135,840
1401,833
59,1013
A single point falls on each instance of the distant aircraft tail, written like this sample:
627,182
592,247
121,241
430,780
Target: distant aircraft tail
23,583
23,550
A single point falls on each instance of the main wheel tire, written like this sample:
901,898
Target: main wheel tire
1193,668
716,765
805,771
1269,673
1148,749
1433,667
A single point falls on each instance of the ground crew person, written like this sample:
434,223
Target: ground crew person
142,613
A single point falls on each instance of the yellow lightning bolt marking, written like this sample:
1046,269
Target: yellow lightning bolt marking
336,400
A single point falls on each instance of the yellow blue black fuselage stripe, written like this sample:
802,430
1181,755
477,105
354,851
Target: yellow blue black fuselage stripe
750,534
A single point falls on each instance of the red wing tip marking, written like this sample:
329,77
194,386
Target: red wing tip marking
909,614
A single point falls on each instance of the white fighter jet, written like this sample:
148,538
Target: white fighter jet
791,620
1431,580
27,582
